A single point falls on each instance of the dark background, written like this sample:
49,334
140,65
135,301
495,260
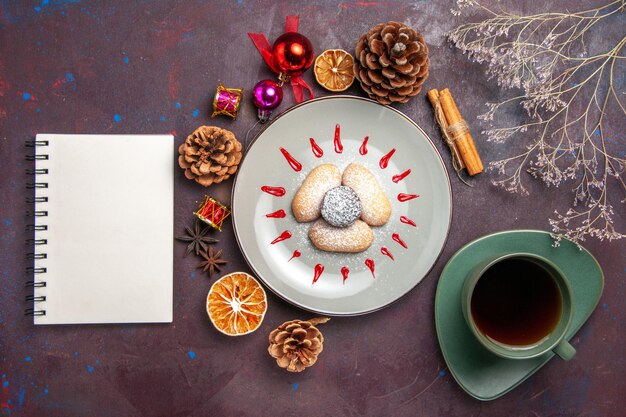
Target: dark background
71,66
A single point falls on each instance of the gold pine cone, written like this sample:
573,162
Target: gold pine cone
210,155
391,62
296,344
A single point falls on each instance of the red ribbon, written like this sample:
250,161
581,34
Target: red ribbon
298,85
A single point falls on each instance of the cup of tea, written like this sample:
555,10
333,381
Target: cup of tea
519,306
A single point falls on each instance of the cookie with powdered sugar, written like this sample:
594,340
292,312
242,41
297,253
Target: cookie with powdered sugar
376,208
352,239
307,204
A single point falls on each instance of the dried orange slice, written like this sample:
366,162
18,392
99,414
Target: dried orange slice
236,304
334,69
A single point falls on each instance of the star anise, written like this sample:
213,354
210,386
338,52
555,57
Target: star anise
212,261
197,238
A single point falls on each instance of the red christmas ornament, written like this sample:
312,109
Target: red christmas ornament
212,212
293,53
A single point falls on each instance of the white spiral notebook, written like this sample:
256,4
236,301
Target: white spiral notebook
103,244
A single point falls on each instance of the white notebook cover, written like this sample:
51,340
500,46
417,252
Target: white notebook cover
110,229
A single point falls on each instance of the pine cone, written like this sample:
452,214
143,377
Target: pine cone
296,344
210,155
391,62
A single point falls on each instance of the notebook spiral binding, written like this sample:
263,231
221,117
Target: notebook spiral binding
36,255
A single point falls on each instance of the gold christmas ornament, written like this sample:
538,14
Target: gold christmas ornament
296,344
391,62
210,155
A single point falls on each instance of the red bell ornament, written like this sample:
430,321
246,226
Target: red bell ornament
293,53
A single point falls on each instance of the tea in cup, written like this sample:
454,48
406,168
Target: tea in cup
519,306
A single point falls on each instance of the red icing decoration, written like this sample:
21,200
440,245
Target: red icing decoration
385,251
296,254
408,221
370,264
363,148
283,236
317,151
319,268
344,273
293,163
396,237
338,145
400,177
406,197
275,191
279,214
384,161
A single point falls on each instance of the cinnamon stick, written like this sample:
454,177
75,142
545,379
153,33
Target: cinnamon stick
457,128
457,161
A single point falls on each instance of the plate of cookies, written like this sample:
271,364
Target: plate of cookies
341,205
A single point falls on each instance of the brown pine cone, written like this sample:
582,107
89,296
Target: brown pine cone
296,344
210,155
391,62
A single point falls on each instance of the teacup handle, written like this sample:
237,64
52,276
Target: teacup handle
564,350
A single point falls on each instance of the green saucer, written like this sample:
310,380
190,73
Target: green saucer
480,373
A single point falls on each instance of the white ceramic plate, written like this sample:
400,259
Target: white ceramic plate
265,165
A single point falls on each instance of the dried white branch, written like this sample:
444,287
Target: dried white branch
567,95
